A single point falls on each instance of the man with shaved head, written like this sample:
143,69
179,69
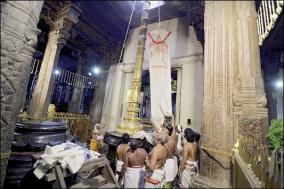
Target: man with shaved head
155,163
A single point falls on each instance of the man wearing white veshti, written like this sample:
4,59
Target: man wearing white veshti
133,170
121,153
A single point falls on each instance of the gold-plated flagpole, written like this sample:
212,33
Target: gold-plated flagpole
132,123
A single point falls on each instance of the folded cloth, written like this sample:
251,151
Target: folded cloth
156,180
134,177
55,149
72,157
171,169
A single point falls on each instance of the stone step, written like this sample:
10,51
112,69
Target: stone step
201,182
96,181
108,185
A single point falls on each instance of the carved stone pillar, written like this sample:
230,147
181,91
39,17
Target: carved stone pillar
76,99
96,107
58,35
18,37
233,85
95,113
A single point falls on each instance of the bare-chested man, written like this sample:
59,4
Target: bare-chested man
189,164
155,163
121,153
171,165
133,170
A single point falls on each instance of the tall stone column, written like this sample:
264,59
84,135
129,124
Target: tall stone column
233,85
95,113
58,35
76,99
96,107
18,37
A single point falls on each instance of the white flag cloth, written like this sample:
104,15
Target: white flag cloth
160,75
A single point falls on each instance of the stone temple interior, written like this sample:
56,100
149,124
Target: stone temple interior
68,65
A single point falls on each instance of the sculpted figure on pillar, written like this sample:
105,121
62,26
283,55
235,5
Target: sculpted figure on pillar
60,27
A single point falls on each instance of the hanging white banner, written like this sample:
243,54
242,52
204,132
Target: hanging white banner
160,75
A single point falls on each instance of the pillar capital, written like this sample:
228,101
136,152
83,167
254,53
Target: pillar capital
60,27
62,23
66,17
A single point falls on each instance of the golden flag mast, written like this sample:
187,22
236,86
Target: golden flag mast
132,123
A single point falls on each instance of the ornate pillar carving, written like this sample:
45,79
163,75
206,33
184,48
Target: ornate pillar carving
58,35
76,99
18,38
233,85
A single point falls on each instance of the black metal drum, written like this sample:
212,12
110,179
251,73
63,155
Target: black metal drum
30,139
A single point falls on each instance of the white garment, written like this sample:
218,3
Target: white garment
119,165
134,177
179,146
187,178
73,159
157,175
118,168
142,134
160,75
194,164
171,169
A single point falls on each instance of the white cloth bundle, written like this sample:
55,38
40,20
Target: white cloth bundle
160,75
142,134
69,156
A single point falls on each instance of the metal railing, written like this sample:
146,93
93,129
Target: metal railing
74,79
64,76
268,13
266,170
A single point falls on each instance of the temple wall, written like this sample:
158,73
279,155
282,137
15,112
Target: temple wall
186,56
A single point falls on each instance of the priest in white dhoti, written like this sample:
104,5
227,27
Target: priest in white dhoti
133,169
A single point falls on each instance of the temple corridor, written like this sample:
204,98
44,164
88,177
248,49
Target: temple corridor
142,94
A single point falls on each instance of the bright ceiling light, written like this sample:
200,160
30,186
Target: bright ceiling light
90,74
279,84
56,72
96,70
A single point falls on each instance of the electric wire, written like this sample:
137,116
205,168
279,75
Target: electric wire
129,22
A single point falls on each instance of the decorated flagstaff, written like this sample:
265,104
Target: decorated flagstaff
132,123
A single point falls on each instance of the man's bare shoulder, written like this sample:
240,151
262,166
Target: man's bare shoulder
186,146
